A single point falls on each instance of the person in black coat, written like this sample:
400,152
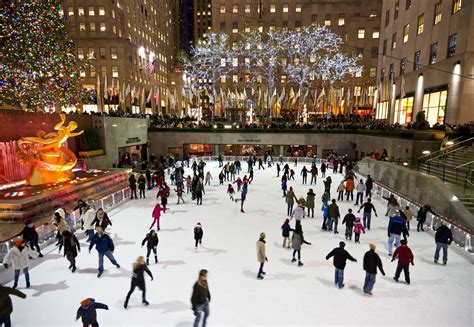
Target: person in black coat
349,219
421,217
142,185
87,311
30,235
133,186
198,234
443,238
138,280
101,219
369,185
151,240
6,307
340,257
71,248
371,263
200,298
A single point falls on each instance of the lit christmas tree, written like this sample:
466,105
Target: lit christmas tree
38,67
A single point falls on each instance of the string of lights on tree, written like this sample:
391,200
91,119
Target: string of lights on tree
38,67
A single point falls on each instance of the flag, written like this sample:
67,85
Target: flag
282,96
148,98
112,93
127,91
157,96
150,68
98,87
306,95
106,91
321,95
134,91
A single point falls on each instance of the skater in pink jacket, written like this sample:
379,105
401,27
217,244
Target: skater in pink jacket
358,229
156,216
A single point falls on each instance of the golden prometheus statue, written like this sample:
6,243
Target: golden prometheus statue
50,160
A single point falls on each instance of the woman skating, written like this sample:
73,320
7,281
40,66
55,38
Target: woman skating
200,298
71,249
157,215
290,200
151,240
19,255
138,280
297,241
310,202
101,219
198,233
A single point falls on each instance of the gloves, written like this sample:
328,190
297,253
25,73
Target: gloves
412,263
151,279
266,259
106,307
383,274
5,265
393,259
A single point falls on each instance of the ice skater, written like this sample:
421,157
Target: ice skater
179,193
349,219
71,248
230,191
19,255
285,233
340,257
7,307
405,258
358,229
443,238
296,242
371,263
105,247
310,202
157,215
239,183
101,219
30,235
243,196
261,255
141,186
87,311
151,240
198,233
208,178
138,280
200,298
290,201
367,213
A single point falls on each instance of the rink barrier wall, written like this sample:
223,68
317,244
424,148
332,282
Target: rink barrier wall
47,232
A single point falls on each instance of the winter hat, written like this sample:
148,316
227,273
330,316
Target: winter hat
19,243
287,221
262,235
372,246
61,212
85,302
357,219
198,224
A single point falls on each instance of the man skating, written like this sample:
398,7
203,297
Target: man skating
340,257
105,247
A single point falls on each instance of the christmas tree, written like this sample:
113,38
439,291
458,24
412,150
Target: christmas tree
38,67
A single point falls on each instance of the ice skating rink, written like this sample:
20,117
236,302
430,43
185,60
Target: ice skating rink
289,295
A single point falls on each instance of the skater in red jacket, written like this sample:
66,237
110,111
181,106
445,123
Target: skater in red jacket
156,216
405,257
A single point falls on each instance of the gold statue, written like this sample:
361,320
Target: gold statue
50,161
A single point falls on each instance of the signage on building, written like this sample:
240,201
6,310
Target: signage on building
249,141
131,140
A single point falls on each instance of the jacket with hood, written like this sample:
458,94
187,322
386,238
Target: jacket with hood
6,307
88,313
20,258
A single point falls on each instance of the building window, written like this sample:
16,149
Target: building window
285,7
437,13
327,20
298,7
102,27
372,71
384,47
273,8
70,11
222,9
283,79
456,5
404,113
382,110
103,71
247,9
235,78
92,27
434,104
113,53
394,41
297,25
222,26
91,53
314,19
433,53
421,24
361,33
375,33
101,11
223,79
235,62
402,65
406,32
387,17
235,27
416,60
342,20
80,53
80,11
360,52
407,4
91,11
235,9
373,13
357,91
115,71
374,53
82,27
452,45
223,63
397,9
92,71
247,27
102,53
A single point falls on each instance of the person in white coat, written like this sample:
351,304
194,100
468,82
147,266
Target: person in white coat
89,226
19,255
299,212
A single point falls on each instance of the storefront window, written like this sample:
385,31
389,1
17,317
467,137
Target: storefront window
434,105
404,111
382,110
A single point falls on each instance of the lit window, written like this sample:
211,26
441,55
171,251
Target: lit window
103,71
341,21
247,28
91,11
222,9
259,79
80,53
101,11
437,13
235,9
407,4
235,78
421,24
397,9
235,27
456,5
102,27
285,7
394,41
115,71
361,33
298,7
284,62
373,13
235,62
91,53
222,62
373,72
327,20
247,9
113,53
92,71
452,45
80,11
82,74
357,91
406,31
113,15
272,8
433,53
375,33
247,78
92,27
82,27
358,73
61,12
283,79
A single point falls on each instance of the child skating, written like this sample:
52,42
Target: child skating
157,215
179,193
198,233
151,240
285,232
358,229
231,192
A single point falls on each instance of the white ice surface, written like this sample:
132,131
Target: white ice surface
289,295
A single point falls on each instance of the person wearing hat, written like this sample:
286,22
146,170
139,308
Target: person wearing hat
396,226
198,233
371,263
19,255
30,236
87,311
151,240
261,255
59,220
340,257
6,308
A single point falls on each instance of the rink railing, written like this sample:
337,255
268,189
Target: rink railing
47,231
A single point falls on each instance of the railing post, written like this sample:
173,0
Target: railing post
444,170
467,245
